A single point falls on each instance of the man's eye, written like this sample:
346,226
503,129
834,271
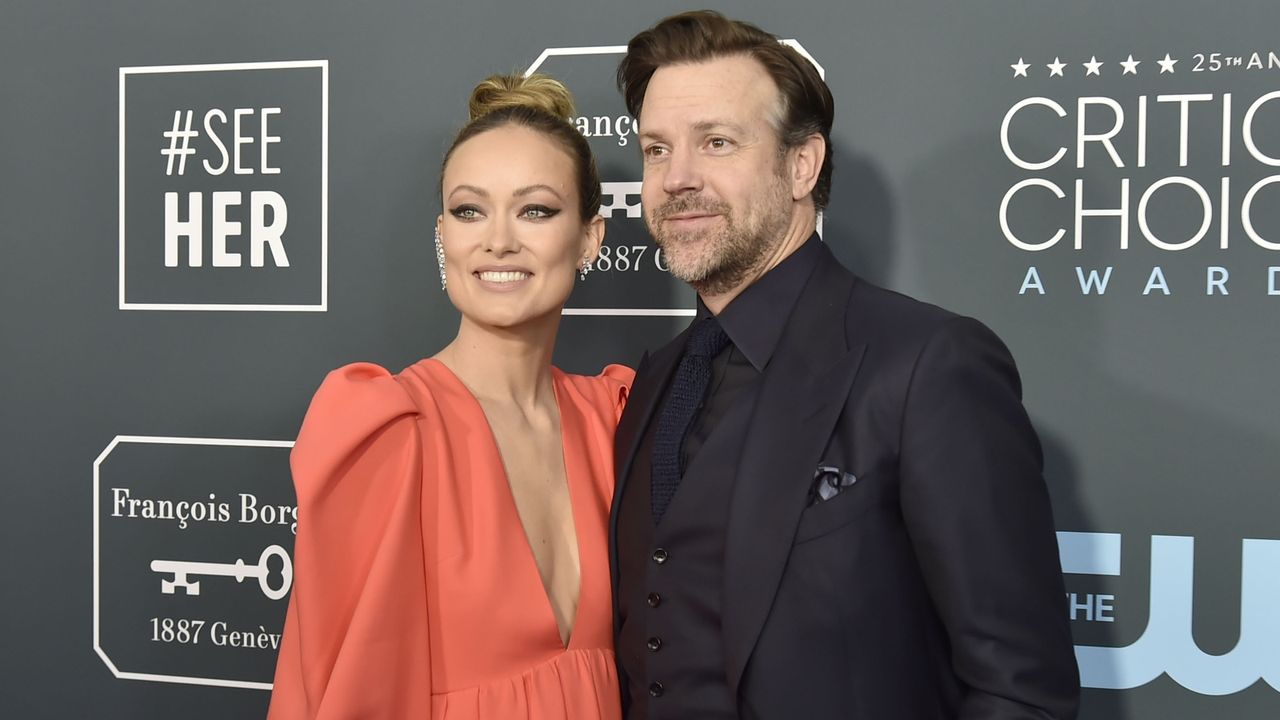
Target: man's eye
655,151
718,143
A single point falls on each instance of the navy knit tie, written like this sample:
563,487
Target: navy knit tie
688,389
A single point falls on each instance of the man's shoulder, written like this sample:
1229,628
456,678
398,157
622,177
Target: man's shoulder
903,328
876,312
874,309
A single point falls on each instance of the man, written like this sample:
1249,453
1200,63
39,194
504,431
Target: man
829,502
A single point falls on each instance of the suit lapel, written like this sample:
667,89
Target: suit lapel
803,390
652,376
651,380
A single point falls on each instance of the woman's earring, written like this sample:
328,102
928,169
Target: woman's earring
586,268
444,282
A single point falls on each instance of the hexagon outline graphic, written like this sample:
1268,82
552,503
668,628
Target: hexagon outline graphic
97,495
621,49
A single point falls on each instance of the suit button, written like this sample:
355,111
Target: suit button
654,600
660,556
656,689
654,644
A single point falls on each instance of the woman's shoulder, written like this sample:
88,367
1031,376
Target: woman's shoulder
606,391
358,396
359,409
362,394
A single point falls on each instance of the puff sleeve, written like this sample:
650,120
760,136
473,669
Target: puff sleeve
617,380
355,639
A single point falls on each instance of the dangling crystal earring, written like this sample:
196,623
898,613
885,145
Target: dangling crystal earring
586,268
444,282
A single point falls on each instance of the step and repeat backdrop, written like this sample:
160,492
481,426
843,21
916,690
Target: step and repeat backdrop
207,206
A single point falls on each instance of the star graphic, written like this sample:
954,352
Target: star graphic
1020,68
1130,65
1092,67
1055,67
1166,65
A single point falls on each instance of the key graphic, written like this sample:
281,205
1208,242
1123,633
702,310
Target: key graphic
182,571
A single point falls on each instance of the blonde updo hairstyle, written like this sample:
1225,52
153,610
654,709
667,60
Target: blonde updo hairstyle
540,103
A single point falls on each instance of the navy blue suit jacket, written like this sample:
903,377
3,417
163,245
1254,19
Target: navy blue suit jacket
931,587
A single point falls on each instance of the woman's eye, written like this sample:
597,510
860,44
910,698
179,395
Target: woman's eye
465,212
538,212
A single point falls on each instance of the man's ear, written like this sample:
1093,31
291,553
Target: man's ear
804,163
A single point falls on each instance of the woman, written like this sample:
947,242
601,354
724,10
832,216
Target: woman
451,555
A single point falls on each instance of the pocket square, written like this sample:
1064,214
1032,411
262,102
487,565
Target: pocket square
829,481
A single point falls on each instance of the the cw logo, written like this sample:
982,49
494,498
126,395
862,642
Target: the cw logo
1167,646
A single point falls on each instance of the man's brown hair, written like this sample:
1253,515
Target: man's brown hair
691,37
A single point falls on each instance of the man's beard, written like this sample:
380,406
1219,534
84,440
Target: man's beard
716,260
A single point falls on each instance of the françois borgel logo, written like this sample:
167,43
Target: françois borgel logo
632,278
224,187
192,561
1143,175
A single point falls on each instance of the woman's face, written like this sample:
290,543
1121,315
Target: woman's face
512,230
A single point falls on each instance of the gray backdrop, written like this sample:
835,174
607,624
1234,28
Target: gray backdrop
157,363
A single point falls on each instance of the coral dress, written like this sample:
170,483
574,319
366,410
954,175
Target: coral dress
416,594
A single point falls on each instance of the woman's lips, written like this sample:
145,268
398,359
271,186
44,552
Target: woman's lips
502,279
502,276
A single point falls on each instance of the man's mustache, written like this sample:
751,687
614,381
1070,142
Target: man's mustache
690,204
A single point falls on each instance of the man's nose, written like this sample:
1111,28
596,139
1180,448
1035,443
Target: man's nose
683,173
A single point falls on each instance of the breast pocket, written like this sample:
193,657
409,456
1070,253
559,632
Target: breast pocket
868,494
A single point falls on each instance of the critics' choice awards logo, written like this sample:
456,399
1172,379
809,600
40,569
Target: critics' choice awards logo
632,278
1167,644
223,187
192,558
1144,176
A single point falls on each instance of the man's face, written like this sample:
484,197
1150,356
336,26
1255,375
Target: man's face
716,196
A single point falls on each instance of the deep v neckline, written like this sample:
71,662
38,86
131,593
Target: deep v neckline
509,501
